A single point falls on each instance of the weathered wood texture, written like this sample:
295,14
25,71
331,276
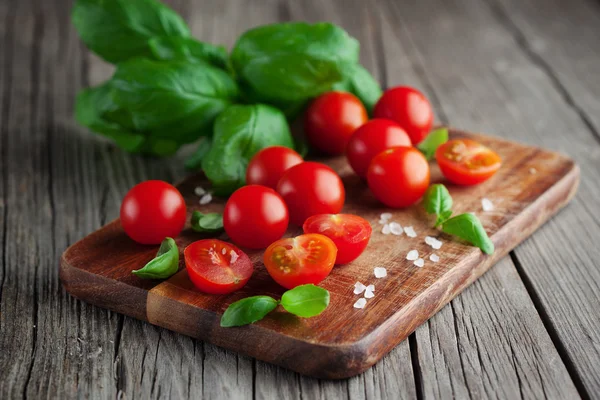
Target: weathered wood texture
525,69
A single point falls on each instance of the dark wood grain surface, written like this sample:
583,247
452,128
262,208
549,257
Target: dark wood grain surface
529,328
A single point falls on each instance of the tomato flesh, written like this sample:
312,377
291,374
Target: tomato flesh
300,260
268,165
350,233
467,162
217,267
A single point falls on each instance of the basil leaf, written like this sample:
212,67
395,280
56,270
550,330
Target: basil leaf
437,200
212,222
165,264
247,311
293,61
194,162
240,132
441,218
188,49
118,30
305,300
468,227
433,140
363,85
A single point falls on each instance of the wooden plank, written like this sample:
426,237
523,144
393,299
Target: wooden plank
504,89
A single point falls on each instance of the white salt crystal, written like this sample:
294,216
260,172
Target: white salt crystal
412,255
207,198
410,232
199,191
369,294
383,221
380,272
487,204
371,288
386,216
434,258
359,288
532,171
419,263
395,228
224,251
429,240
234,257
386,229
360,303
437,244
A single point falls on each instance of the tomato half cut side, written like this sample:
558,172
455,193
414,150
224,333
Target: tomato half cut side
300,260
467,162
217,267
350,233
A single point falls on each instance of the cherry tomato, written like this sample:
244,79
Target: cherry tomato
331,119
467,162
398,177
152,211
217,267
255,216
268,165
409,108
311,188
371,139
350,233
297,261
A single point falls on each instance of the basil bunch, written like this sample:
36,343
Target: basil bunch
170,89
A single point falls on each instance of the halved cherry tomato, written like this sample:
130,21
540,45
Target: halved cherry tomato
399,176
467,162
297,261
268,165
371,139
331,119
350,233
217,267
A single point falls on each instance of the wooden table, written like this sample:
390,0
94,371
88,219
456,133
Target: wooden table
528,70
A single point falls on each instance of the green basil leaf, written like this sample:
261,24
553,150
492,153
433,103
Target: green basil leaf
468,227
293,61
118,30
433,140
240,132
194,162
212,222
247,311
363,85
441,218
188,49
437,199
305,300
165,264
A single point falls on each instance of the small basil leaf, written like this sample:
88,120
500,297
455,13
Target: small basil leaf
212,222
305,300
194,162
437,200
363,85
443,217
188,49
434,140
247,311
118,30
165,264
468,227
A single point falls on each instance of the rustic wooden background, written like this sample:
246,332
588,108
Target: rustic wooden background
527,70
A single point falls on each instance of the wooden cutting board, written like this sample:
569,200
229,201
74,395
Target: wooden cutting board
532,185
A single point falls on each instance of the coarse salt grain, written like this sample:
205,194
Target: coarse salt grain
359,288
360,303
419,263
395,228
386,216
371,287
437,244
434,258
386,230
412,255
429,240
410,232
234,257
224,251
369,294
487,204
207,198
380,272
383,221
199,191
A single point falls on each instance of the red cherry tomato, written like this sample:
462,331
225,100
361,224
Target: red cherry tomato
255,216
268,165
467,162
217,267
350,233
398,177
152,211
371,139
331,119
311,188
409,108
297,261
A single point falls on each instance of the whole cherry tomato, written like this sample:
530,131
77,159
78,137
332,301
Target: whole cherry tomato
467,162
268,165
409,108
331,119
311,188
255,216
152,211
399,176
371,139
217,267
301,260
350,233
